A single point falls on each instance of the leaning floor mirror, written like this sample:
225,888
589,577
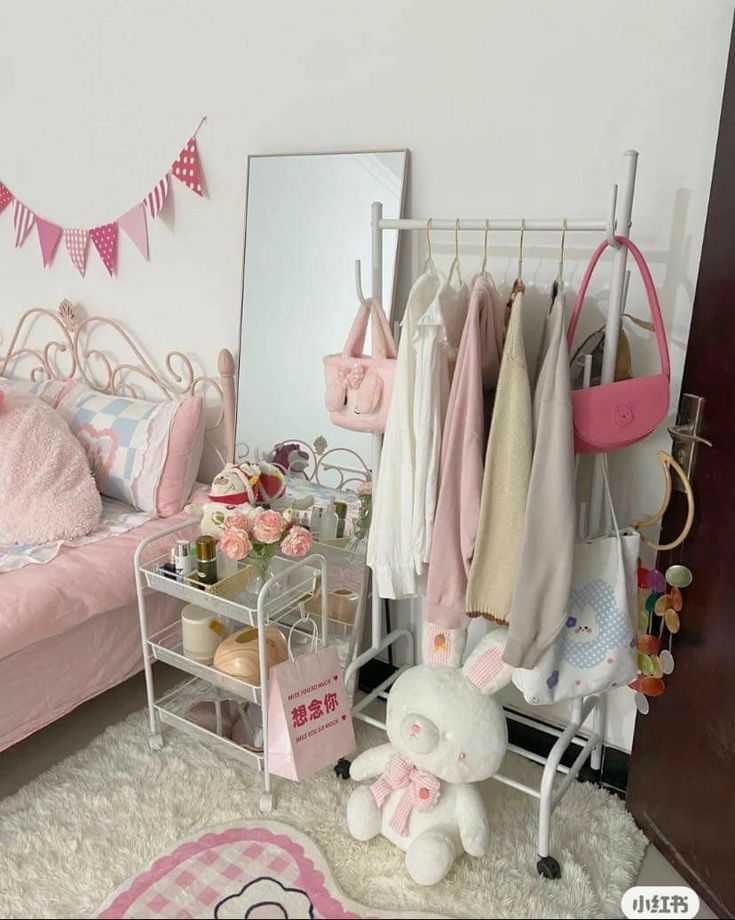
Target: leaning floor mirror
307,221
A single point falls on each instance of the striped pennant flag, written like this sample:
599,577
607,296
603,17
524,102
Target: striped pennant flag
23,219
155,198
5,197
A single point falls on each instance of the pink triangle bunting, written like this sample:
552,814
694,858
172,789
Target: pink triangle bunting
136,227
5,197
48,237
156,197
186,167
76,245
23,219
105,242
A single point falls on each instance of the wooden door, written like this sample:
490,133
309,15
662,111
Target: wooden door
681,787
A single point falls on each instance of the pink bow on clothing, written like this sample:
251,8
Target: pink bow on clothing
422,790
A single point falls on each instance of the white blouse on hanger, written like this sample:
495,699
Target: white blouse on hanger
436,342
390,550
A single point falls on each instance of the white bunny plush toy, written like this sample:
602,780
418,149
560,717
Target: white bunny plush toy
446,733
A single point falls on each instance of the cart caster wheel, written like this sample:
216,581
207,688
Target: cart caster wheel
155,742
548,867
588,775
266,802
342,768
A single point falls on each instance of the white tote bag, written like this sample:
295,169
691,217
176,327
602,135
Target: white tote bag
596,647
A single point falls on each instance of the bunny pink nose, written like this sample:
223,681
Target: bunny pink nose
415,729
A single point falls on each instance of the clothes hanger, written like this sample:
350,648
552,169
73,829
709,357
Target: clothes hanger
668,463
455,260
483,267
518,285
429,263
557,286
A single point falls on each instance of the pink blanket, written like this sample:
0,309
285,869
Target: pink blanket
38,602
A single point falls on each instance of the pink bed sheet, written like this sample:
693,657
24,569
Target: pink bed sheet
48,679
42,601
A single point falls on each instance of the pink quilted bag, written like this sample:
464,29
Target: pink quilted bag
613,415
358,385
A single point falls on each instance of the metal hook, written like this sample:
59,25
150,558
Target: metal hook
520,249
484,248
455,261
610,234
358,282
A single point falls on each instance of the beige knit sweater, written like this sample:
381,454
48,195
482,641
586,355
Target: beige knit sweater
505,482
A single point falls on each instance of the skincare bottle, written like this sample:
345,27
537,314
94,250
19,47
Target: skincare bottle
183,562
340,509
315,524
207,560
330,522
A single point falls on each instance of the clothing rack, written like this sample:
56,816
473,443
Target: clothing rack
617,222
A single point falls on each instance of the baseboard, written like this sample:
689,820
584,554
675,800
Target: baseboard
615,762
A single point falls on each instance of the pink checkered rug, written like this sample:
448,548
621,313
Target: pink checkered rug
254,869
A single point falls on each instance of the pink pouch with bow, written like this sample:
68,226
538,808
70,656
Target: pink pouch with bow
614,415
359,385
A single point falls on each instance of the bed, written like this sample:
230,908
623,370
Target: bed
69,625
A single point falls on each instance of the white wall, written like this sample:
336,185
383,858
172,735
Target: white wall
508,108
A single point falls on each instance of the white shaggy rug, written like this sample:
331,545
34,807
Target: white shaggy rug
70,837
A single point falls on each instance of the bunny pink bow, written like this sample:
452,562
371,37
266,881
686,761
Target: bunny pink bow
422,790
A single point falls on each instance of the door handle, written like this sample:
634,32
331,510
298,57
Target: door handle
682,433
685,434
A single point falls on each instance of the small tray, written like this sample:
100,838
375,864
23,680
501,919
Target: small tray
242,607
172,709
167,646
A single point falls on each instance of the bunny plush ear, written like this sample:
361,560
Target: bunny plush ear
485,668
444,648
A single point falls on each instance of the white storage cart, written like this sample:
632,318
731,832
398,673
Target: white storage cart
274,604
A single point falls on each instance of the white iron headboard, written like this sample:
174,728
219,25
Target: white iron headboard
71,352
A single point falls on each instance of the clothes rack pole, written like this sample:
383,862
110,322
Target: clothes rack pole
550,792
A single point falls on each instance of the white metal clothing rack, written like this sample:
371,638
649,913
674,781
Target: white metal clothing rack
617,222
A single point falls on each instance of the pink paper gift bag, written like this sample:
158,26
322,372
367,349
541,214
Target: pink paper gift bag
309,719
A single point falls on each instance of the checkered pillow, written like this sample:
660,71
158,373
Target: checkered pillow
50,391
126,441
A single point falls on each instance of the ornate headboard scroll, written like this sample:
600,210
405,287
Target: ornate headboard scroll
73,353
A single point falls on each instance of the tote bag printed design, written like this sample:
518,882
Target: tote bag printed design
596,648
309,719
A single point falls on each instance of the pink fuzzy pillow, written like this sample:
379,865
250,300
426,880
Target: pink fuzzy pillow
47,491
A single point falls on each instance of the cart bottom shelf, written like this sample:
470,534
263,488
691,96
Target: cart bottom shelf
172,709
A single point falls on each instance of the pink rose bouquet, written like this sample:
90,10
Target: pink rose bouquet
297,542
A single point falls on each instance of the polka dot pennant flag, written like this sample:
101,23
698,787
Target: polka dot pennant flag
186,167
76,245
48,238
155,198
105,242
5,197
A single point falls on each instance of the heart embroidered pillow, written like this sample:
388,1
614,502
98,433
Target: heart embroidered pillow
47,491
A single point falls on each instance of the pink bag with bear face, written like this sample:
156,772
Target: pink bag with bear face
614,415
358,385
